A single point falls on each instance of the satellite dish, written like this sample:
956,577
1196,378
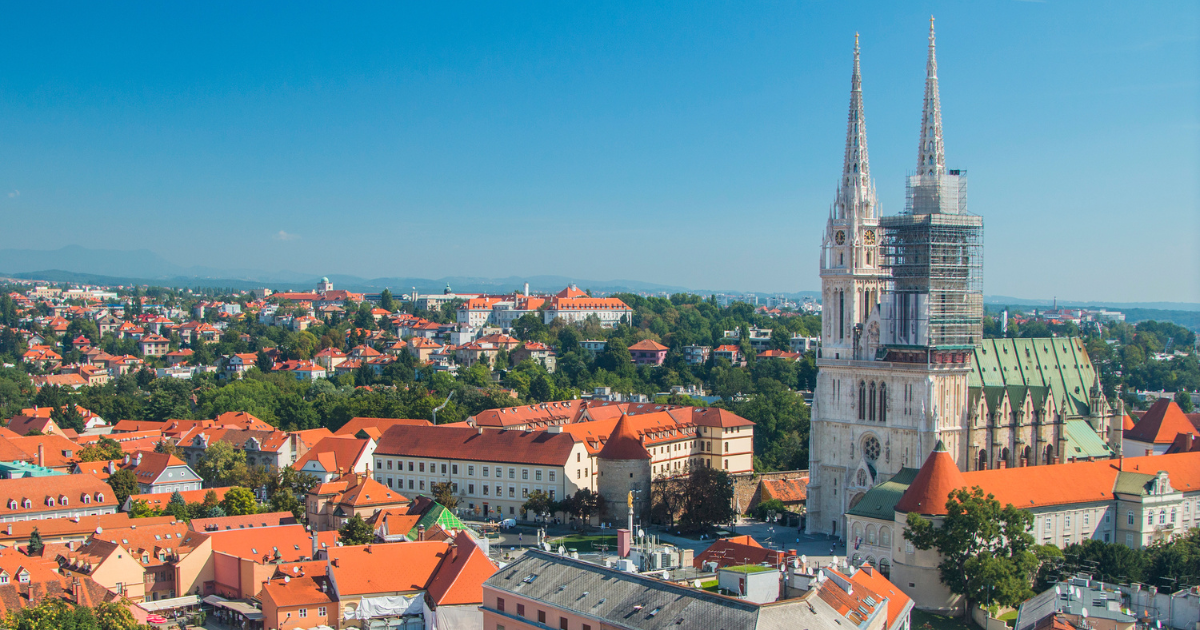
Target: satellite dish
1084,613
641,534
804,559
99,530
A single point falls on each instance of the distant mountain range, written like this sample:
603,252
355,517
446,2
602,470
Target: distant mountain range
125,267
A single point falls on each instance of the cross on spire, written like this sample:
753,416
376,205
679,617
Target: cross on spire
931,156
855,194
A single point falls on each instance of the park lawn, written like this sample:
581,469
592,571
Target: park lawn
922,620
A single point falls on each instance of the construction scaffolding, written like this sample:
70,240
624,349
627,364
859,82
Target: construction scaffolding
934,253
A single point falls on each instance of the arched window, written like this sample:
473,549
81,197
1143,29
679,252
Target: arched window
861,479
50,501
871,448
872,402
99,497
883,402
12,504
1028,456
982,460
62,500
871,534
857,531
1049,458
862,400
885,567
885,537
87,498
1006,457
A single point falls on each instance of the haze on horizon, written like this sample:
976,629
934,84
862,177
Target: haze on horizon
681,144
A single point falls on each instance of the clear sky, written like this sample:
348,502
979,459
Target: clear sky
686,143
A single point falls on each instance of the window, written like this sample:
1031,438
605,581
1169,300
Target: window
1162,517
422,484
1067,521
443,468
485,471
470,488
320,611
1049,523
1129,517
524,493
562,623
410,484
1150,518
303,613
537,475
410,466
3,578
512,492
454,469
1086,518
500,604
485,490
541,616
551,475
422,466
389,466
525,474
470,471
512,473
1128,540
862,400
520,610
23,577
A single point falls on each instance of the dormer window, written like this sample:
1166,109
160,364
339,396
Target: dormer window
12,504
23,577
27,504
87,498
3,577
62,500
99,497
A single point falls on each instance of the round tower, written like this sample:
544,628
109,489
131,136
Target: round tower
624,467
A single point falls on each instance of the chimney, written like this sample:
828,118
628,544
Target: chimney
41,454
1149,451
420,532
453,552
315,545
139,459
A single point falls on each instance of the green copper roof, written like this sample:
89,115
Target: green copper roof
880,502
1082,440
1053,366
1132,483
436,515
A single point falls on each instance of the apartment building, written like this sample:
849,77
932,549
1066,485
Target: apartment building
492,471
56,496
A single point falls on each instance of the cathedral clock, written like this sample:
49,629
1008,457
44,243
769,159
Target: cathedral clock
840,237
869,237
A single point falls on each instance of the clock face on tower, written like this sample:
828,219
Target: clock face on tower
869,237
840,237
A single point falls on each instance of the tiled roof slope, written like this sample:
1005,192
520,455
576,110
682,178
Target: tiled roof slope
1161,423
532,447
624,443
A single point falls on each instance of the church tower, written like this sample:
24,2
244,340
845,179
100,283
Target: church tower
851,275
898,324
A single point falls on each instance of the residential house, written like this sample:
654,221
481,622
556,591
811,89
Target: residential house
330,358
335,456
75,529
243,559
144,562
537,352
330,504
730,353
238,364
648,352
421,348
30,580
178,357
272,449
696,355
158,473
1157,429
59,496
154,345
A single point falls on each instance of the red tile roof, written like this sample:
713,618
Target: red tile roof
376,427
297,591
786,490
736,551
39,491
291,542
355,569
937,478
648,345
158,501
1161,424
459,580
624,443
267,519
531,447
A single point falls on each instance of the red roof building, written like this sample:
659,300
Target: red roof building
1156,431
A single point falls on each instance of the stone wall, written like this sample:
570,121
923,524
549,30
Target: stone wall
746,486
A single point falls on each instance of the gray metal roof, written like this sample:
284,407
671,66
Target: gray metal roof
629,600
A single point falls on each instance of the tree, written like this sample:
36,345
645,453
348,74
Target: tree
356,531
708,499
667,498
294,481
106,449
1184,399
68,417
165,445
124,484
35,543
285,501
986,550
443,493
386,302
538,503
221,465
215,511
239,502
141,509
584,505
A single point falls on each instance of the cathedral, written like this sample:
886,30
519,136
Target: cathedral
903,364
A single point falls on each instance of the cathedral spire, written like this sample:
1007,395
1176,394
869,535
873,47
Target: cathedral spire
931,158
855,195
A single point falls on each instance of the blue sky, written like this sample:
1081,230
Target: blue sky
687,143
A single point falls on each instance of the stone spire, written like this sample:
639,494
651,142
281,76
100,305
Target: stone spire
931,158
856,195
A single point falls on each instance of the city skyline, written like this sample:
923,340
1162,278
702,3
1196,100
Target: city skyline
695,148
